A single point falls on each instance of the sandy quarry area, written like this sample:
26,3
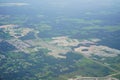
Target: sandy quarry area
64,41
15,32
102,51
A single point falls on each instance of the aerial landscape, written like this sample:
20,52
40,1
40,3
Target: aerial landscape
59,40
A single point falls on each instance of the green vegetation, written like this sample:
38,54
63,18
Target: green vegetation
108,28
18,20
113,62
117,76
4,35
42,66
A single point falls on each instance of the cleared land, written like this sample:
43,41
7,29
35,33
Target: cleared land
61,45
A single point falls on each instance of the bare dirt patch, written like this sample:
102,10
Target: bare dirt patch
64,41
102,51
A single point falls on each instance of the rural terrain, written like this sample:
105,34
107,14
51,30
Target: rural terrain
59,41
